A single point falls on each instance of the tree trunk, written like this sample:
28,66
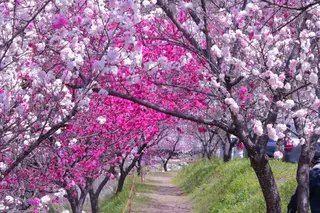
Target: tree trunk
94,202
227,153
76,202
121,182
209,154
204,151
165,166
307,151
139,167
303,180
76,207
267,183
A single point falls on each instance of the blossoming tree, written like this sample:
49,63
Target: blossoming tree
251,62
246,67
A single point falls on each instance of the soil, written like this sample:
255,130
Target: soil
164,198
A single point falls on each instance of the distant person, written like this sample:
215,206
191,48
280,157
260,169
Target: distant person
314,187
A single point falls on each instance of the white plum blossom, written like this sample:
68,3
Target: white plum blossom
251,7
45,199
280,104
278,155
299,77
98,65
226,51
272,133
60,193
73,140
79,60
71,65
305,66
3,166
3,207
187,5
280,128
255,72
317,130
287,86
308,129
58,144
9,200
227,38
258,129
233,105
41,46
316,104
88,12
163,59
288,104
313,78
112,55
295,142
84,102
300,113
274,80
216,51
103,92
101,120
67,54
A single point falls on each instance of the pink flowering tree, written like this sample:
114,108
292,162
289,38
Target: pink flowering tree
133,152
209,140
168,147
86,154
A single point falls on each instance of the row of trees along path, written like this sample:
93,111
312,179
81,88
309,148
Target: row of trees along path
86,85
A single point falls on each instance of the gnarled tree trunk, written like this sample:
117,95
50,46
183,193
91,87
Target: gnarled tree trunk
307,152
94,202
267,183
121,180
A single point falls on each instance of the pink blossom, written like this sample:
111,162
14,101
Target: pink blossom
278,155
34,201
202,129
59,22
251,36
242,90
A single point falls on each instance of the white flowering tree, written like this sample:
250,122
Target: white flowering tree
52,53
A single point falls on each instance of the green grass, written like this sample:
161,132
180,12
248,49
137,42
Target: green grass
118,202
216,187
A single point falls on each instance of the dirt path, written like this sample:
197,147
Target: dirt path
164,198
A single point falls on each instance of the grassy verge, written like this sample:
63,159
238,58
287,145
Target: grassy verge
117,203
215,187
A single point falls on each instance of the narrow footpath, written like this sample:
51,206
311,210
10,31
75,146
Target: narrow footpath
164,197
